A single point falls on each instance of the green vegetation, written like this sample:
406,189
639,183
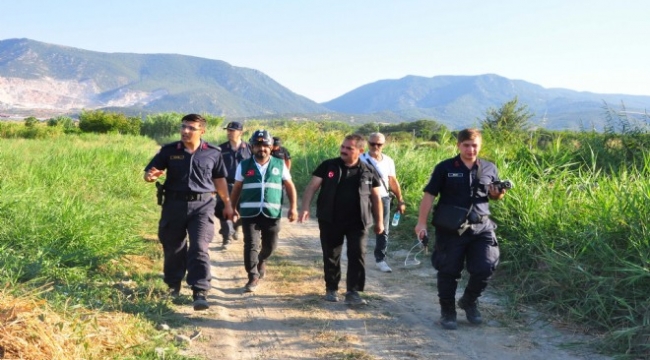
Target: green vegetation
74,212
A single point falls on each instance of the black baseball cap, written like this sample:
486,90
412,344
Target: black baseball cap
234,125
277,141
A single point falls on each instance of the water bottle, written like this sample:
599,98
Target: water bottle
396,218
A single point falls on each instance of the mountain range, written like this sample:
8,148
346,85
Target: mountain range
40,78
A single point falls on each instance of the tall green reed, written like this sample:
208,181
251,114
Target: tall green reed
72,202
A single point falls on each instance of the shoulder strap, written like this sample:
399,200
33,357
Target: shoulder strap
369,163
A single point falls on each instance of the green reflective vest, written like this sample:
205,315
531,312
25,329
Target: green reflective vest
261,195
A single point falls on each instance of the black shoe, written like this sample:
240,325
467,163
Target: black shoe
261,269
448,320
226,243
353,298
448,314
200,300
471,310
252,285
174,291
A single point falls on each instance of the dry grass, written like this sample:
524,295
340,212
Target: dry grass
31,329
348,354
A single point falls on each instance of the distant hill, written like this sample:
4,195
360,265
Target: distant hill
39,78
36,75
458,101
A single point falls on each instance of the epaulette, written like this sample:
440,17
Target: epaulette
207,145
174,144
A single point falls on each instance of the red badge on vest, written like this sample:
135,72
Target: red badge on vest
250,172
330,174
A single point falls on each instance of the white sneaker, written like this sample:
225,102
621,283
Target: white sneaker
383,267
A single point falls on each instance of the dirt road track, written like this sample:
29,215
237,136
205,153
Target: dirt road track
287,319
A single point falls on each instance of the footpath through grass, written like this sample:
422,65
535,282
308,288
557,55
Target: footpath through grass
78,224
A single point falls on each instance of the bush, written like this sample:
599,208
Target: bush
103,122
65,122
160,125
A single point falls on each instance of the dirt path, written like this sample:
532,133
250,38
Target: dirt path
286,317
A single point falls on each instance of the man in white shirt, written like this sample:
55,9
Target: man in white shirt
385,166
257,198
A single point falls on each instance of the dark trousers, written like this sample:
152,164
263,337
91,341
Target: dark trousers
331,240
478,251
260,240
180,221
381,240
228,227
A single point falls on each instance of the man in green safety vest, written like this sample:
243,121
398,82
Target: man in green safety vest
257,196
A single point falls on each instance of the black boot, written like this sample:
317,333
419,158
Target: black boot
448,314
469,304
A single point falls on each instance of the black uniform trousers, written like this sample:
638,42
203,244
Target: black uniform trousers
332,237
260,240
182,220
227,227
478,250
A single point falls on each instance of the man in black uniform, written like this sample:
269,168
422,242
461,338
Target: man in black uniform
233,152
281,152
195,171
465,181
347,204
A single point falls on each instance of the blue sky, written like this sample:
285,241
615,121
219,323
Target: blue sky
323,49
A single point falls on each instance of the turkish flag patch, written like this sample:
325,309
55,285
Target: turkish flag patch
330,174
250,172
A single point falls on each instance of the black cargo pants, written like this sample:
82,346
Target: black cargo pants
477,250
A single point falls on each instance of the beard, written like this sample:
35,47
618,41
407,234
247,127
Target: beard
260,155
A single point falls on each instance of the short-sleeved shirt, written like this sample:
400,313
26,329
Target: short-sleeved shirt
232,157
347,199
281,153
385,167
457,185
187,171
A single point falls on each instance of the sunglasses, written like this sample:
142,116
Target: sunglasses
375,144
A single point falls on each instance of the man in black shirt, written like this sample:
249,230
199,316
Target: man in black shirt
281,152
347,204
463,181
195,171
233,152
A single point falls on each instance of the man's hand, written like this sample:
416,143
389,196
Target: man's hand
292,215
153,174
421,230
496,193
228,213
303,216
379,227
401,207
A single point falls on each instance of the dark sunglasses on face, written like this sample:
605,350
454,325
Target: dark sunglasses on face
375,144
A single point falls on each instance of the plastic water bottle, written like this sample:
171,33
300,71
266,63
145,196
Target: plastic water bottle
396,218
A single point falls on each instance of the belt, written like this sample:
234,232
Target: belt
187,195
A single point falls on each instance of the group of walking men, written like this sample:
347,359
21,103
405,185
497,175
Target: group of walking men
250,180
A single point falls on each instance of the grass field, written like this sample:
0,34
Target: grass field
78,244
